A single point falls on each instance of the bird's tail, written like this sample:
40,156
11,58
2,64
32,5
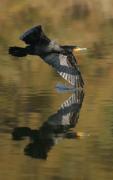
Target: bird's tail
17,51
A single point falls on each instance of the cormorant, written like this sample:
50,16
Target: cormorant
59,126
58,56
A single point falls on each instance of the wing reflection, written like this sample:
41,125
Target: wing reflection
57,127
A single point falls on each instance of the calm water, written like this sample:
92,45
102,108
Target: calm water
49,135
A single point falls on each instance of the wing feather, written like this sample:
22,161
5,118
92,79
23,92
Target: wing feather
35,35
66,66
68,113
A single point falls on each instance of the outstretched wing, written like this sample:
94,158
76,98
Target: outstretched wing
66,66
34,36
68,113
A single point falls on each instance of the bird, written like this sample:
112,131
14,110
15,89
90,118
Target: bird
60,57
58,126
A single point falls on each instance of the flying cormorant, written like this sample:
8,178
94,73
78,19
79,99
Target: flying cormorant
58,56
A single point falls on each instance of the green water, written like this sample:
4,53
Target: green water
49,135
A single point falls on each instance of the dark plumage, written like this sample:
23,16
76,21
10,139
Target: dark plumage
57,127
59,57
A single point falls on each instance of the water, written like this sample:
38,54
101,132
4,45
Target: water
46,133
50,135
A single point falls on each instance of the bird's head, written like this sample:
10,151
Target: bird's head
72,48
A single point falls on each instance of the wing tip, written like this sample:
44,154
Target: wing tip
30,30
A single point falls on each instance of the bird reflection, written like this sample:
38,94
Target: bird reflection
56,128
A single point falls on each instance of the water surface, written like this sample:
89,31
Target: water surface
49,135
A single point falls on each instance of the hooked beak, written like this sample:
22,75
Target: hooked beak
77,49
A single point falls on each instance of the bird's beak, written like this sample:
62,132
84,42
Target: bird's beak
77,49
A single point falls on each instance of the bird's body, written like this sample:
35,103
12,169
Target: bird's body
59,57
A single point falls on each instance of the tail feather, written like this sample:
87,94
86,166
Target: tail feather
17,51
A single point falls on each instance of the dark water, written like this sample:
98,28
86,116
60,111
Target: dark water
49,135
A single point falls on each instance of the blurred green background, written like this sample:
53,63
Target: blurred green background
28,97
84,23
